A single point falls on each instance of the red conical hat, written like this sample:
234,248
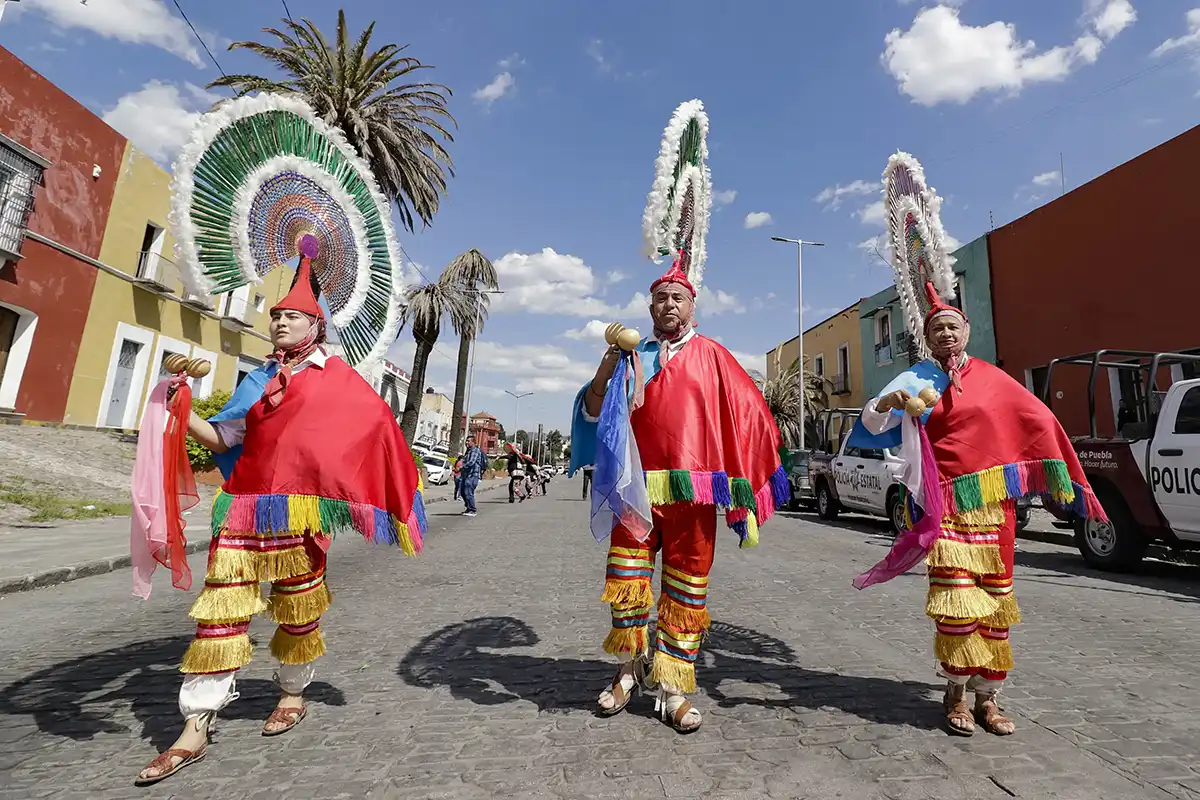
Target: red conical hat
301,297
676,275
936,306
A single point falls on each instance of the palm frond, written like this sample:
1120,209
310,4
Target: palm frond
399,128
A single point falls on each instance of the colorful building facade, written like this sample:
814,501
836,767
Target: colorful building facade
90,298
486,430
1107,265
833,349
885,333
59,166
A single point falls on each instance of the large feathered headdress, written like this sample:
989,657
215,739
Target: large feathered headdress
924,270
675,222
262,173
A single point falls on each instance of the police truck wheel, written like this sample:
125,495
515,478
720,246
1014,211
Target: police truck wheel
827,504
895,511
1114,546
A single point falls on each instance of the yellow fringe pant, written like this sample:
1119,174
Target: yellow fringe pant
295,567
686,535
971,597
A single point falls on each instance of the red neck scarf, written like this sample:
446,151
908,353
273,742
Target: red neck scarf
277,386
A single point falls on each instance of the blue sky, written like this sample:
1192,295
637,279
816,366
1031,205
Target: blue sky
561,106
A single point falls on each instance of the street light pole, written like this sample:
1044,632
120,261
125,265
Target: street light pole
800,314
517,414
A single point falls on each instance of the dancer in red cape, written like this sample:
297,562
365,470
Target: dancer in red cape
707,443
320,452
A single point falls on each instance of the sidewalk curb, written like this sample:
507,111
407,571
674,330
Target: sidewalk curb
88,569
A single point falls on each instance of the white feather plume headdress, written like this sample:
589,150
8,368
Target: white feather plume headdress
679,204
917,242
257,173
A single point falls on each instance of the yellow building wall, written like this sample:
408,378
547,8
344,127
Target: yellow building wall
824,339
142,196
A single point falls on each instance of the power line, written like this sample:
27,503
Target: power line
198,37
285,9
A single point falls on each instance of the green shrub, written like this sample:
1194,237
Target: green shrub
199,455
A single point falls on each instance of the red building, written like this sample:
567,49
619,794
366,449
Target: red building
1108,265
58,169
486,431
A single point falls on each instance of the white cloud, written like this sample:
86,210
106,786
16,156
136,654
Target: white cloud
535,367
615,276
515,60
716,302
548,282
593,330
1189,39
831,196
872,214
595,51
939,59
134,21
875,245
1045,178
757,219
751,361
503,85
724,197
1109,17
159,117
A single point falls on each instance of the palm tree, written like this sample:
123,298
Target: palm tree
782,394
475,275
396,127
554,443
426,307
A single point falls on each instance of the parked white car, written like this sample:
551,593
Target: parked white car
855,479
438,469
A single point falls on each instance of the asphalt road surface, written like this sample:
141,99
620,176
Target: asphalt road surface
472,672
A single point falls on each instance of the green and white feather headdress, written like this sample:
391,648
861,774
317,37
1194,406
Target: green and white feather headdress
260,171
679,204
917,242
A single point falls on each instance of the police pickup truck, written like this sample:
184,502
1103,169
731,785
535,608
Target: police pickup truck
851,478
1147,475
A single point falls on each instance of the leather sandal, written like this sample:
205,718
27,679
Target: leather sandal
987,714
290,716
163,762
957,711
622,698
675,718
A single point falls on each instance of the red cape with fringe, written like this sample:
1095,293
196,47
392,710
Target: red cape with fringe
995,421
704,413
331,436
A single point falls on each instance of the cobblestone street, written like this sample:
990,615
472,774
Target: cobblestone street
472,672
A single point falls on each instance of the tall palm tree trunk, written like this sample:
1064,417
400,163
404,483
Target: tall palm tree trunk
460,395
416,389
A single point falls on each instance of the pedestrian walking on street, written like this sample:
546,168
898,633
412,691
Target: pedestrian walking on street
458,477
587,481
309,448
516,471
975,441
706,439
471,472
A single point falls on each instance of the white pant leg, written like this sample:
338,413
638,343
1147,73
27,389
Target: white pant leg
295,678
984,686
204,693
957,680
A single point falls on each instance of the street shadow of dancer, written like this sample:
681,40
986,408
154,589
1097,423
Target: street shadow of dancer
76,699
460,658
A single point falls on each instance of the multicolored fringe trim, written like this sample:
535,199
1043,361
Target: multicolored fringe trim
746,509
1020,480
276,514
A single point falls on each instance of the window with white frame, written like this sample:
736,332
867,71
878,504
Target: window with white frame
841,381
152,246
819,365
960,299
20,173
883,337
